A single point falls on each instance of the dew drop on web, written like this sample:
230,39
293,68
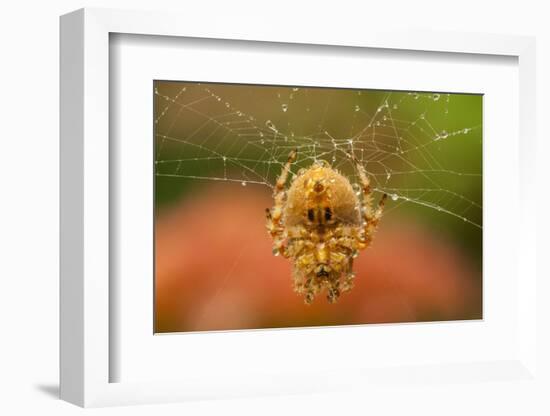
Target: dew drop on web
270,125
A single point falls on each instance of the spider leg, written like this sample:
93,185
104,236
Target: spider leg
342,243
347,283
371,216
274,215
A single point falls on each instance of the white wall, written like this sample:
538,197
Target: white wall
29,207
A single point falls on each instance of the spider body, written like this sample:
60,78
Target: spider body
321,224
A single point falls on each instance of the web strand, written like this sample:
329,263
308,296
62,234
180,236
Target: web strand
244,134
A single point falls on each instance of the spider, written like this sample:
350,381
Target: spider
321,224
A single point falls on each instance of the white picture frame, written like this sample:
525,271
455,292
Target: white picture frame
86,356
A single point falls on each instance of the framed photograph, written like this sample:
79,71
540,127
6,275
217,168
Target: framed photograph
270,213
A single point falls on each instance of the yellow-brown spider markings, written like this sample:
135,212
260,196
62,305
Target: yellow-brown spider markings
321,225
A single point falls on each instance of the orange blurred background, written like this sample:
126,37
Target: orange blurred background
215,271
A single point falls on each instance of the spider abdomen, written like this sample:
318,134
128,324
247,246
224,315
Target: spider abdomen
321,196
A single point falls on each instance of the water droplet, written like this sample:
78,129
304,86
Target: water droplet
384,118
284,107
395,106
357,108
262,141
295,89
243,183
466,130
443,134
275,251
423,116
379,109
436,97
219,98
377,123
394,197
270,125
415,95
227,105
388,175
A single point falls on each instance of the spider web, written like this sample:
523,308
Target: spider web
417,147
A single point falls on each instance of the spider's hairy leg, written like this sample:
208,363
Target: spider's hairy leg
280,184
333,292
371,216
274,215
371,223
347,283
342,244
304,279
